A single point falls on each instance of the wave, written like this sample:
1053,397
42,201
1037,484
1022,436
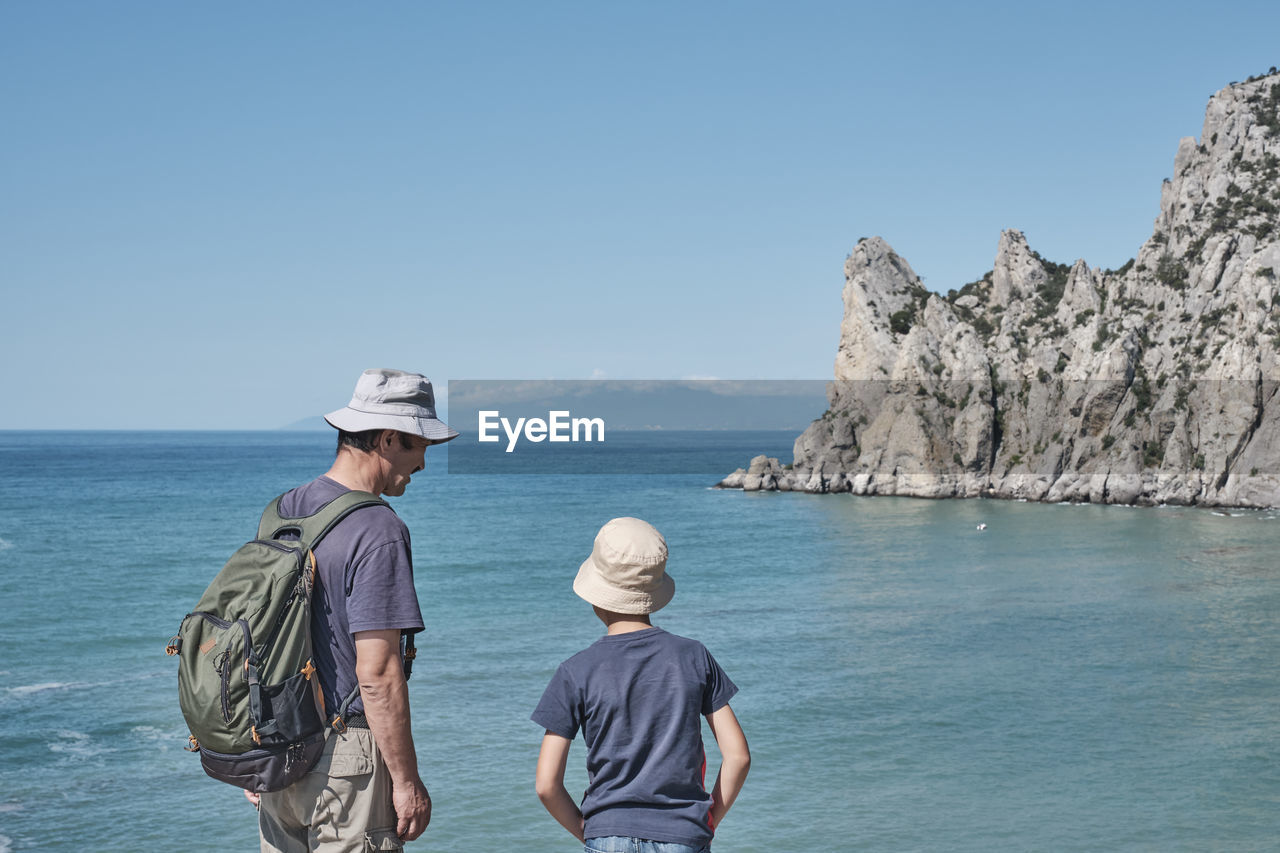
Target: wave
155,733
77,744
6,844
5,545
46,687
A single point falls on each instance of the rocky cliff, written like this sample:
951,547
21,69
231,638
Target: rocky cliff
1153,383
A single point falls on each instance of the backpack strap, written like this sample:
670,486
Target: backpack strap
312,528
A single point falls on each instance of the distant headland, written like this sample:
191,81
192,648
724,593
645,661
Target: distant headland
1150,384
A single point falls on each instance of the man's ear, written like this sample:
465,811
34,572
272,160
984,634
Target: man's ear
385,440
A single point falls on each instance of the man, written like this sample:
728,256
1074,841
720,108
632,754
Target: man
365,793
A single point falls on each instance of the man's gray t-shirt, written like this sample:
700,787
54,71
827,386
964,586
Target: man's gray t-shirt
364,582
639,698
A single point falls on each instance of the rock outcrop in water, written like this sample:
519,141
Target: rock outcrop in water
1153,383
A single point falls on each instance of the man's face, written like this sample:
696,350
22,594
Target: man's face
403,462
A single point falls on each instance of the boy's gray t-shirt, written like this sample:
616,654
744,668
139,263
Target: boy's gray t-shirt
639,699
364,582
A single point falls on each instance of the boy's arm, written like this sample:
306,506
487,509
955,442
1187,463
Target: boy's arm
549,783
735,761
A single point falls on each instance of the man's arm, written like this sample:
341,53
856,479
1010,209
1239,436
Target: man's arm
549,783
386,706
735,761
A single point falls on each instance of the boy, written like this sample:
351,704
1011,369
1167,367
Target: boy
637,694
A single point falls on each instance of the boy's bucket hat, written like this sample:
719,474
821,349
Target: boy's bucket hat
392,399
627,569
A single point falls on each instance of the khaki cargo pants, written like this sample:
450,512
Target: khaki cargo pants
343,805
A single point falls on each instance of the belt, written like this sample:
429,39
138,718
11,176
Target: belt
357,721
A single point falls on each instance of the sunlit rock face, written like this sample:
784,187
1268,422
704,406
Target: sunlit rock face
1153,383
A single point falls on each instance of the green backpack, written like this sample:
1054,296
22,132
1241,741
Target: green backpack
246,681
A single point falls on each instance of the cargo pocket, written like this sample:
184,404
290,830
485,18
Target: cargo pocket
382,839
351,756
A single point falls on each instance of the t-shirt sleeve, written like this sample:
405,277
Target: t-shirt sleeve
559,710
382,594
719,689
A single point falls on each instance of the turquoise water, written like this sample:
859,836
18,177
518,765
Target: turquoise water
1071,678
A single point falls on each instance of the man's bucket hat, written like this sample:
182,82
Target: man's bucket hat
627,569
393,399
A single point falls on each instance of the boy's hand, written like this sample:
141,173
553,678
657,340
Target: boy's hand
413,809
254,799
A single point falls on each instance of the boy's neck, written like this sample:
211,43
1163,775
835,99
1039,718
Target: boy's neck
623,623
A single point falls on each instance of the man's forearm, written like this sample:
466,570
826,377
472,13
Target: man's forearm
386,707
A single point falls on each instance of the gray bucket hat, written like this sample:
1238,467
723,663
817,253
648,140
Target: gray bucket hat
627,569
392,399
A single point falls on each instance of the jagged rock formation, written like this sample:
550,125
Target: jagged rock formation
1153,383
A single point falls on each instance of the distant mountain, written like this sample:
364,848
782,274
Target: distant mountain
1154,383
315,422
630,404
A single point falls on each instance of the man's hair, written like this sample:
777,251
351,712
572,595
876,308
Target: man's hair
367,440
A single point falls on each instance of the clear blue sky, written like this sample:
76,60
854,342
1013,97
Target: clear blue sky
215,215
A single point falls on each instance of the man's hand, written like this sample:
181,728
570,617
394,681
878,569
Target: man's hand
253,798
413,809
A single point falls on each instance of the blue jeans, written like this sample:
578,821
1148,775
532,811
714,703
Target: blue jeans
622,844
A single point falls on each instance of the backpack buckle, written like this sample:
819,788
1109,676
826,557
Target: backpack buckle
339,725
193,745
174,647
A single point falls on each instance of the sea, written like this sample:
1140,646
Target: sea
1070,677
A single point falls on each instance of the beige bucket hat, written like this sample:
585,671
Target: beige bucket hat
627,569
393,399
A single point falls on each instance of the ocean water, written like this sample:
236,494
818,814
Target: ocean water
1069,678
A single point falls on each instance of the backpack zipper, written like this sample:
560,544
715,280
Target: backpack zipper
224,669
222,665
293,593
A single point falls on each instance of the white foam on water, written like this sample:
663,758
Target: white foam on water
10,807
76,744
6,844
154,733
46,687
5,545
